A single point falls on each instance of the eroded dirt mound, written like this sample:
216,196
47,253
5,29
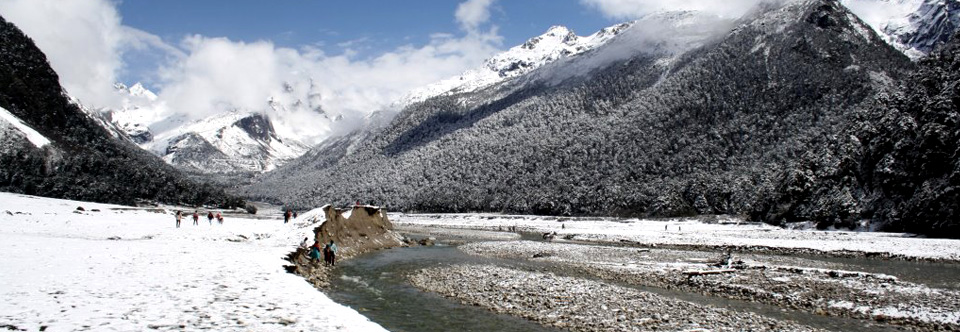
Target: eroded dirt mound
366,228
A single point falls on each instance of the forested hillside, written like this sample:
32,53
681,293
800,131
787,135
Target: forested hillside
910,163
763,120
83,162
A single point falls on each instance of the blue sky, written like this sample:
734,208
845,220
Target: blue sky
380,25
366,27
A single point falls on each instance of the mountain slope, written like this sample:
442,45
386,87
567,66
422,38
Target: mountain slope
555,44
664,122
915,27
233,142
82,160
910,164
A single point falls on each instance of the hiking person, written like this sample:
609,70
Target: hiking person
315,252
210,217
219,218
179,216
286,216
330,253
294,214
196,217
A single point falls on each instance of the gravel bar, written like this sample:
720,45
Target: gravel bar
583,305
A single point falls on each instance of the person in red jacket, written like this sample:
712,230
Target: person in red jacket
210,217
219,218
196,217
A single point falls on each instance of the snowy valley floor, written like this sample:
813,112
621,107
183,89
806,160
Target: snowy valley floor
128,269
118,268
592,277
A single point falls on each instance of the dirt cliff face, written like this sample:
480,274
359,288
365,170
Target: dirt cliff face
366,229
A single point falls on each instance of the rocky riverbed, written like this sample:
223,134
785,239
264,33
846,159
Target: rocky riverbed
578,304
808,285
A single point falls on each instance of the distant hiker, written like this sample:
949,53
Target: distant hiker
196,217
219,218
315,252
179,216
549,236
294,214
286,216
664,228
210,217
330,253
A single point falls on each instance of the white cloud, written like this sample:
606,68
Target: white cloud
80,38
85,42
634,9
219,75
473,13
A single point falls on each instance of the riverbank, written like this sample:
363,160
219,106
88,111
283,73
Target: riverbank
707,233
807,285
797,270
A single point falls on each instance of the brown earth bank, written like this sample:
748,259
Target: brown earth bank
366,229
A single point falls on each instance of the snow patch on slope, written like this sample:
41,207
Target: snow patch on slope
32,135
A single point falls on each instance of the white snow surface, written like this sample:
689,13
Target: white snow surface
692,232
892,19
232,141
128,269
142,112
557,43
32,135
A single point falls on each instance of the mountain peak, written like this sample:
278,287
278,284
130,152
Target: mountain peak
556,43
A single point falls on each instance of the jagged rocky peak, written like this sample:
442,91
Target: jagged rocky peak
557,42
914,27
934,22
258,126
135,90
557,32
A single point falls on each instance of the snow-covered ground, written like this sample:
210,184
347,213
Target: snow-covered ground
131,269
723,233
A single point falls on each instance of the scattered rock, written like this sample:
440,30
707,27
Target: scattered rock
427,241
80,208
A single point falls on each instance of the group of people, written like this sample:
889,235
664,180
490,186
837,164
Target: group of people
329,251
196,217
288,214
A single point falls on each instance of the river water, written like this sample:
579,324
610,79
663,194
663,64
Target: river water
375,285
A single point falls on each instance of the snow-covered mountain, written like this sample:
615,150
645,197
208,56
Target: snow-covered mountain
557,43
228,142
915,27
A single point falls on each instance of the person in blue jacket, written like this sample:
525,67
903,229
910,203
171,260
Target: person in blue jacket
315,251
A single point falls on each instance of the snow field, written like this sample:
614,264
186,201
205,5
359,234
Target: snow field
121,269
729,232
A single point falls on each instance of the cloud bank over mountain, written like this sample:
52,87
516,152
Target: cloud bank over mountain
86,42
